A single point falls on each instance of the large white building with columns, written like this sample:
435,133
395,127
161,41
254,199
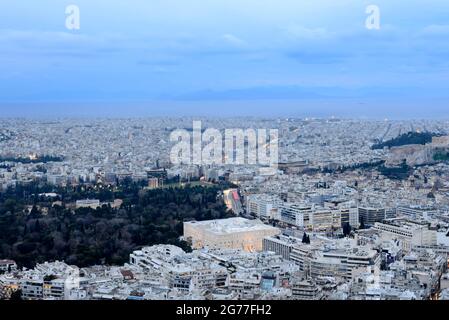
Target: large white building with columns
232,233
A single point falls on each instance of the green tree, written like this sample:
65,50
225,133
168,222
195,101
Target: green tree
305,239
16,295
346,229
362,224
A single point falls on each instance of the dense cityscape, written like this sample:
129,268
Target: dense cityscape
94,209
224,159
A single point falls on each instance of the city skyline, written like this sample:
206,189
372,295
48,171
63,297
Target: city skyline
224,157
97,209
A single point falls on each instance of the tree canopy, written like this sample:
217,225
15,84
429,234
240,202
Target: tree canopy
104,235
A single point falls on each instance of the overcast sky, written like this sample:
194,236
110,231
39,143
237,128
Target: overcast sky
130,51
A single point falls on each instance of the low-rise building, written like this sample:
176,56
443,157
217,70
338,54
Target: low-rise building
232,233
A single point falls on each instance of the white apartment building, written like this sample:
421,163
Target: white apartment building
54,289
309,217
32,288
201,277
154,257
409,233
262,206
333,261
296,214
88,203
57,180
281,245
322,219
7,265
354,217
185,272
306,290
244,284
415,211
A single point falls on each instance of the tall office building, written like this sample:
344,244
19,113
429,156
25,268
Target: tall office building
295,214
370,215
262,206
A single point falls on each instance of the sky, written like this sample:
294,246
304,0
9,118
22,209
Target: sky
242,57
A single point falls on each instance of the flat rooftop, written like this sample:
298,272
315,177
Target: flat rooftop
231,225
404,224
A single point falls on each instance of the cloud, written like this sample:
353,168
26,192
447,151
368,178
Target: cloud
317,57
300,32
133,49
43,38
435,30
57,43
234,40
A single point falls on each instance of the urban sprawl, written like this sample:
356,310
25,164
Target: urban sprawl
355,210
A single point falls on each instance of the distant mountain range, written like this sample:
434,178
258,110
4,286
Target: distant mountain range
298,92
